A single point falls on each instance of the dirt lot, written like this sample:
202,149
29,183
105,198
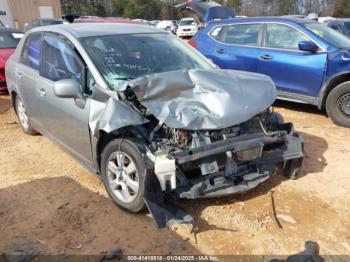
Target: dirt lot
49,202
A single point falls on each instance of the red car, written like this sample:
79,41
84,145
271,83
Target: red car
9,39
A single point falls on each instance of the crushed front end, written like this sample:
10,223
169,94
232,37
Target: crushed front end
201,164
208,133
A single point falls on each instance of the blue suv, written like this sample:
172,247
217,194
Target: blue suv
309,62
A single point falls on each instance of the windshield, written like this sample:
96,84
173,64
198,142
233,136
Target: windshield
187,22
9,40
120,58
329,35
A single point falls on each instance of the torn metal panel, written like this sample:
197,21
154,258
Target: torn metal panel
108,113
204,99
166,215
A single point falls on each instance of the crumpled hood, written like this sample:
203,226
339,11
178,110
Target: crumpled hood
204,99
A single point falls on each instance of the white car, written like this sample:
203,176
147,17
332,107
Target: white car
167,25
187,27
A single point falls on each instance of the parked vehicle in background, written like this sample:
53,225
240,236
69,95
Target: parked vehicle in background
325,19
9,39
150,115
43,22
168,25
107,20
341,25
187,27
153,22
294,16
88,17
313,16
308,61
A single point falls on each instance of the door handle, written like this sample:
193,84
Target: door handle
42,92
220,51
19,76
266,57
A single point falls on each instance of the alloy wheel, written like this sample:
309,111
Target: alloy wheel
22,115
122,176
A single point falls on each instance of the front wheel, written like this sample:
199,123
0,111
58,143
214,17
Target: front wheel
123,171
338,105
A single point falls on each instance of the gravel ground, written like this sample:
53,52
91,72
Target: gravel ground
52,204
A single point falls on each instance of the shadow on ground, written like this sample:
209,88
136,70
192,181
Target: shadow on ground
299,107
59,216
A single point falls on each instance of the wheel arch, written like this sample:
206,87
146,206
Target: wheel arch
104,138
330,85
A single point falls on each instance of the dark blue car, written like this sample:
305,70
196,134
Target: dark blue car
309,62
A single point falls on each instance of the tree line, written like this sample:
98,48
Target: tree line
164,9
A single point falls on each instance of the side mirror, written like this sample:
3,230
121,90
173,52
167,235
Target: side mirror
308,46
67,88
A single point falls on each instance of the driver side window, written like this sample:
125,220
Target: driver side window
60,61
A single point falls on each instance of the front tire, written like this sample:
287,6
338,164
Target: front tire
23,118
123,172
338,105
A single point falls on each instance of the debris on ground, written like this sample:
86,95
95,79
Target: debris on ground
114,254
11,123
287,218
274,211
64,205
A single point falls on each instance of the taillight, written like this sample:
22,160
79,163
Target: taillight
192,42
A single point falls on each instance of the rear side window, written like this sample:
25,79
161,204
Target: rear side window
240,34
31,53
283,37
60,61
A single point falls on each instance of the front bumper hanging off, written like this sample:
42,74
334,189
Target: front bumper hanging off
259,155
288,150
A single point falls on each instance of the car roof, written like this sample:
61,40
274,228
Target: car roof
98,29
9,30
276,19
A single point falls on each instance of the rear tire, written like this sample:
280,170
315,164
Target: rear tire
338,105
23,118
123,172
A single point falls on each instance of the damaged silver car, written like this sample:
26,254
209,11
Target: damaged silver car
150,115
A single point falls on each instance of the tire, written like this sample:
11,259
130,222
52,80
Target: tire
23,118
120,188
338,105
